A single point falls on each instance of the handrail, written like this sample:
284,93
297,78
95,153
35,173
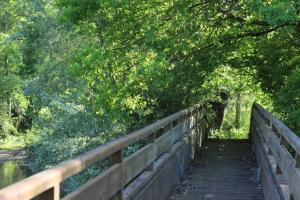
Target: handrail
281,147
47,183
283,130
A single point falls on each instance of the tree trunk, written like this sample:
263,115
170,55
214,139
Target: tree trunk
219,111
238,111
10,106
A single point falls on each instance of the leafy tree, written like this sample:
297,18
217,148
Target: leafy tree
287,101
13,104
94,70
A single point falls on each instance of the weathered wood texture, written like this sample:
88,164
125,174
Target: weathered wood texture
277,149
223,171
130,177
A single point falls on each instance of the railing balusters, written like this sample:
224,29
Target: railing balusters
284,146
117,158
107,184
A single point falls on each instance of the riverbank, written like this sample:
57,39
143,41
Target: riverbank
11,155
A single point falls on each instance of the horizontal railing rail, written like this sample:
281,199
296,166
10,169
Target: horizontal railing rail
280,128
282,147
110,183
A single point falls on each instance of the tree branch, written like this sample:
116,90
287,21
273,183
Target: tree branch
240,19
266,31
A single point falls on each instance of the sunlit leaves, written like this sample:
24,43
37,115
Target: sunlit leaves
94,69
277,12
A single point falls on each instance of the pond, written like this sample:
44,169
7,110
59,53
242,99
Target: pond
11,172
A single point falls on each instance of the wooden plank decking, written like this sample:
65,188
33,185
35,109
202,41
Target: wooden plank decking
226,170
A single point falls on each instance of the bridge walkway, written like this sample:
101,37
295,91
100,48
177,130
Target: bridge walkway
225,170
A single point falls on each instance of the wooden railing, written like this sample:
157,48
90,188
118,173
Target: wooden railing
278,153
112,183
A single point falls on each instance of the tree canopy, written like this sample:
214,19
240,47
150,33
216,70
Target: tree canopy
76,74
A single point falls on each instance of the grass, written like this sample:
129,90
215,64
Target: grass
12,143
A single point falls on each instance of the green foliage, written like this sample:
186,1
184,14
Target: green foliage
13,142
233,81
228,130
58,149
13,104
276,12
288,101
6,127
230,80
76,74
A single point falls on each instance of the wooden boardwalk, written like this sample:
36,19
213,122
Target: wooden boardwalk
223,170
226,170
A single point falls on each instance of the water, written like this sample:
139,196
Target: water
11,172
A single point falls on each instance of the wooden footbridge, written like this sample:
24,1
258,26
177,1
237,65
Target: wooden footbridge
175,161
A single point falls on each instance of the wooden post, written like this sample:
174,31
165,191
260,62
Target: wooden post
269,151
150,139
251,127
117,158
197,115
182,121
297,160
291,197
275,130
191,121
278,170
168,127
51,194
269,122
198,134
283,142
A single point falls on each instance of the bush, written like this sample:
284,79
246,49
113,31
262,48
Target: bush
287,102
6,127
63,130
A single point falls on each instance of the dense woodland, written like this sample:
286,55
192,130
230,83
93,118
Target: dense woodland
76,74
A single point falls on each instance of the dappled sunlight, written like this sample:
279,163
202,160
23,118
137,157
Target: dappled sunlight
75,75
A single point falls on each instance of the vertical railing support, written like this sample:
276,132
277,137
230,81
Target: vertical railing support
198,134
278,170
168,127
150,139
117,158
297,160
51,194
191,120
182,121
